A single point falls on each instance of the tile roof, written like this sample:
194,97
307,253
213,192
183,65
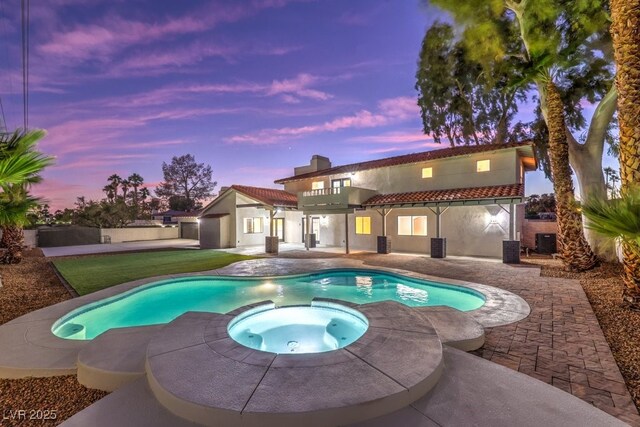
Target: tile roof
269,196
406,159
459,194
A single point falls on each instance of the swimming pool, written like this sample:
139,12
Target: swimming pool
163,301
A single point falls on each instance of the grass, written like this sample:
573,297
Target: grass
92,273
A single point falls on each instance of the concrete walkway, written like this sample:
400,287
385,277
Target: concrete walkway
142,245
560,342
471,392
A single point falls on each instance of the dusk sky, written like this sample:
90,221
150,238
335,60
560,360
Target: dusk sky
252,88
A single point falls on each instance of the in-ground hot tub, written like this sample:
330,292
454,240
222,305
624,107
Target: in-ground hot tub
322,326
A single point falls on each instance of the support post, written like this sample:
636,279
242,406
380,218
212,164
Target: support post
271,244
384,243
346,232
511,247
438,243
306,235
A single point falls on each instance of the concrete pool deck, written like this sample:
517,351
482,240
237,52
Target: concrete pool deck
471,392
32,350
559,343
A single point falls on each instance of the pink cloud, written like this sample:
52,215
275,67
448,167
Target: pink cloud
393,137
298,86
392,110
114,33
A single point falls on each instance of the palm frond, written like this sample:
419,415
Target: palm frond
618,218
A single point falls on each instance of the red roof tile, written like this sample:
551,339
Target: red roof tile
405,159
493,192
269,196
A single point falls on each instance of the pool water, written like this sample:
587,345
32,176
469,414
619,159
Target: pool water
161,302
320,327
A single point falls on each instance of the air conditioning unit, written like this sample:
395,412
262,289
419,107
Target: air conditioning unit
546,243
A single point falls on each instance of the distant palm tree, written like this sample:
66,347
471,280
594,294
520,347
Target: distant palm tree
110,192
125,185
136,181
115,181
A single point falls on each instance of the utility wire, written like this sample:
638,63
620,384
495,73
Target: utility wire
25,11
8,63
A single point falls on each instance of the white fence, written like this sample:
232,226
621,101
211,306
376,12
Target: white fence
130,234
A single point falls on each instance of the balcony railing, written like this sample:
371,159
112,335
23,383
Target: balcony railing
334,198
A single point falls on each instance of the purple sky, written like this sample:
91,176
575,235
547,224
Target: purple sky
251,87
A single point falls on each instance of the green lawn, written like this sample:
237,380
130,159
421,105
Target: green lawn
92,273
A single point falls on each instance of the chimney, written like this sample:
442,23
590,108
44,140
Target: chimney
223,189
316,164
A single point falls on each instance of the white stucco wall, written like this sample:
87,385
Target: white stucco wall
455,172
131,234
470,231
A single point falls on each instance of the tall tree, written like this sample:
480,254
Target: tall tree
563,50
186,181
115,181
625,29
459,99
566,42
135,180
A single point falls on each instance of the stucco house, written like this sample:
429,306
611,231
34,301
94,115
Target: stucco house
457,201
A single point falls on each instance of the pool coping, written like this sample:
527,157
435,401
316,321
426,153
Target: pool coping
33,350
377,374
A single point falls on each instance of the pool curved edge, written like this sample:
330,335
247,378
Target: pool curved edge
37,352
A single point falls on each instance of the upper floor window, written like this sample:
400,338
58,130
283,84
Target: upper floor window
427,172
253,225
363,225
412,225
483,165
317,185
343,182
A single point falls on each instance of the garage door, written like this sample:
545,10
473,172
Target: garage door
189,230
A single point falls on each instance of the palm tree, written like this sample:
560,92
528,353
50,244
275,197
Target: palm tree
573,247
110,192
115,181
20,164
15,204
125,185
620,219
136,181
18,157
625,21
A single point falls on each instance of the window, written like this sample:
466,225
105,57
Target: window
317,185
483,165
427,172
252,225
412,225
363,225
344,182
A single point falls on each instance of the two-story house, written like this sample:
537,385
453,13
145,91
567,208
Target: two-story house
410,203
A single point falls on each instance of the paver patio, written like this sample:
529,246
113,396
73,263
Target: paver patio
560,343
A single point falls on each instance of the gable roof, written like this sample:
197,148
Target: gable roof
459,194
268,196
407,159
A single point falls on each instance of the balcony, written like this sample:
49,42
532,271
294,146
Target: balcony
333,200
